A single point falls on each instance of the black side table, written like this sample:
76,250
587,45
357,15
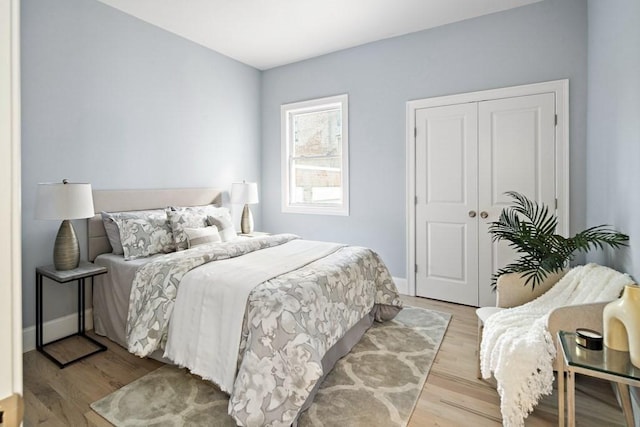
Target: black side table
84,271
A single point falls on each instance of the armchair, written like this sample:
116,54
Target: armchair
576,302
510,292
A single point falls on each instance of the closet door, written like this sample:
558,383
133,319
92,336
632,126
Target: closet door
467,157
446,203
516,152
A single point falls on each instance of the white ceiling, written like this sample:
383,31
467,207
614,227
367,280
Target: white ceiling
269,33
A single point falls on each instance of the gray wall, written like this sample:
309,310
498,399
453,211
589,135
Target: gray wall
613,131
541,42
113,101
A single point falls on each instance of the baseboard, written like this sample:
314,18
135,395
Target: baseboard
403,286
54,329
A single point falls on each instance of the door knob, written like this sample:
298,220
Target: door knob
472,214
483,215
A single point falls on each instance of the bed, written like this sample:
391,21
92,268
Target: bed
265,318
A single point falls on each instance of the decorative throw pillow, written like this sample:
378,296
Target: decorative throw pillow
202,236
190,217
113,234
183,218
144,233
225,226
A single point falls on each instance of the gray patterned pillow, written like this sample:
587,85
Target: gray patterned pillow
181,219
144,233
202,236
211,210
113,234
190,217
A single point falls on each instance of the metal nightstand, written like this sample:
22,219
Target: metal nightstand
85,270
608,364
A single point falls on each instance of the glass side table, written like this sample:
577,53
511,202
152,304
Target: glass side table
608,364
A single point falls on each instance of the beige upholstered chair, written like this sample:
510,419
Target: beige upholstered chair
511,293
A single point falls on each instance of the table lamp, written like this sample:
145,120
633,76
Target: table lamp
65,201
245,193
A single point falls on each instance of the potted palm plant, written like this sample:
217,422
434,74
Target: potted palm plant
529,228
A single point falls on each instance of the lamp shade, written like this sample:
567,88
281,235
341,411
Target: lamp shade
244,193
65,200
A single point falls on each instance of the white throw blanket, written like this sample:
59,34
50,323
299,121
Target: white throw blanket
518,348
206,324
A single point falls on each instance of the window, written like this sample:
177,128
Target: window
315,156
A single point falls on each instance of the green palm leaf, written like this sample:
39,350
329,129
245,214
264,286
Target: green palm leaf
529,229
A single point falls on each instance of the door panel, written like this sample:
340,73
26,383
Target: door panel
445,179
516,152
444,260
467,157
446,190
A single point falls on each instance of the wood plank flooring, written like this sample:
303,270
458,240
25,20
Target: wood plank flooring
452,395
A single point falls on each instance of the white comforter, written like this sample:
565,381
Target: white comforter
210,306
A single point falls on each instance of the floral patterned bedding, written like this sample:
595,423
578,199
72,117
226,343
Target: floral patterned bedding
291,321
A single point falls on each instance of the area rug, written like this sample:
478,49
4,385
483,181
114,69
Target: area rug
377,384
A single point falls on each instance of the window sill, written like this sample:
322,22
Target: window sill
308,210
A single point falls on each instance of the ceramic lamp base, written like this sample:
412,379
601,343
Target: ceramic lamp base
246,222
66,251
621,321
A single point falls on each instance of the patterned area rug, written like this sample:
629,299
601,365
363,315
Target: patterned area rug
377,384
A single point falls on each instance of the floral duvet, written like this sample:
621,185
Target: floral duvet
291,321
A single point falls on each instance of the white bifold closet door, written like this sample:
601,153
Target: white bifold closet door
467,156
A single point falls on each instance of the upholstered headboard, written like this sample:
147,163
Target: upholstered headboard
133,200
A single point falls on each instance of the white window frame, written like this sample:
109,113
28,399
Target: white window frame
286,112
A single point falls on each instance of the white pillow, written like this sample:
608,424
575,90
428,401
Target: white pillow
225,226
201,236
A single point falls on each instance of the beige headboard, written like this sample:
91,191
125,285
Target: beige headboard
134,200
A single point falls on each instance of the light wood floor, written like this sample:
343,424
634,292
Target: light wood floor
452,395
